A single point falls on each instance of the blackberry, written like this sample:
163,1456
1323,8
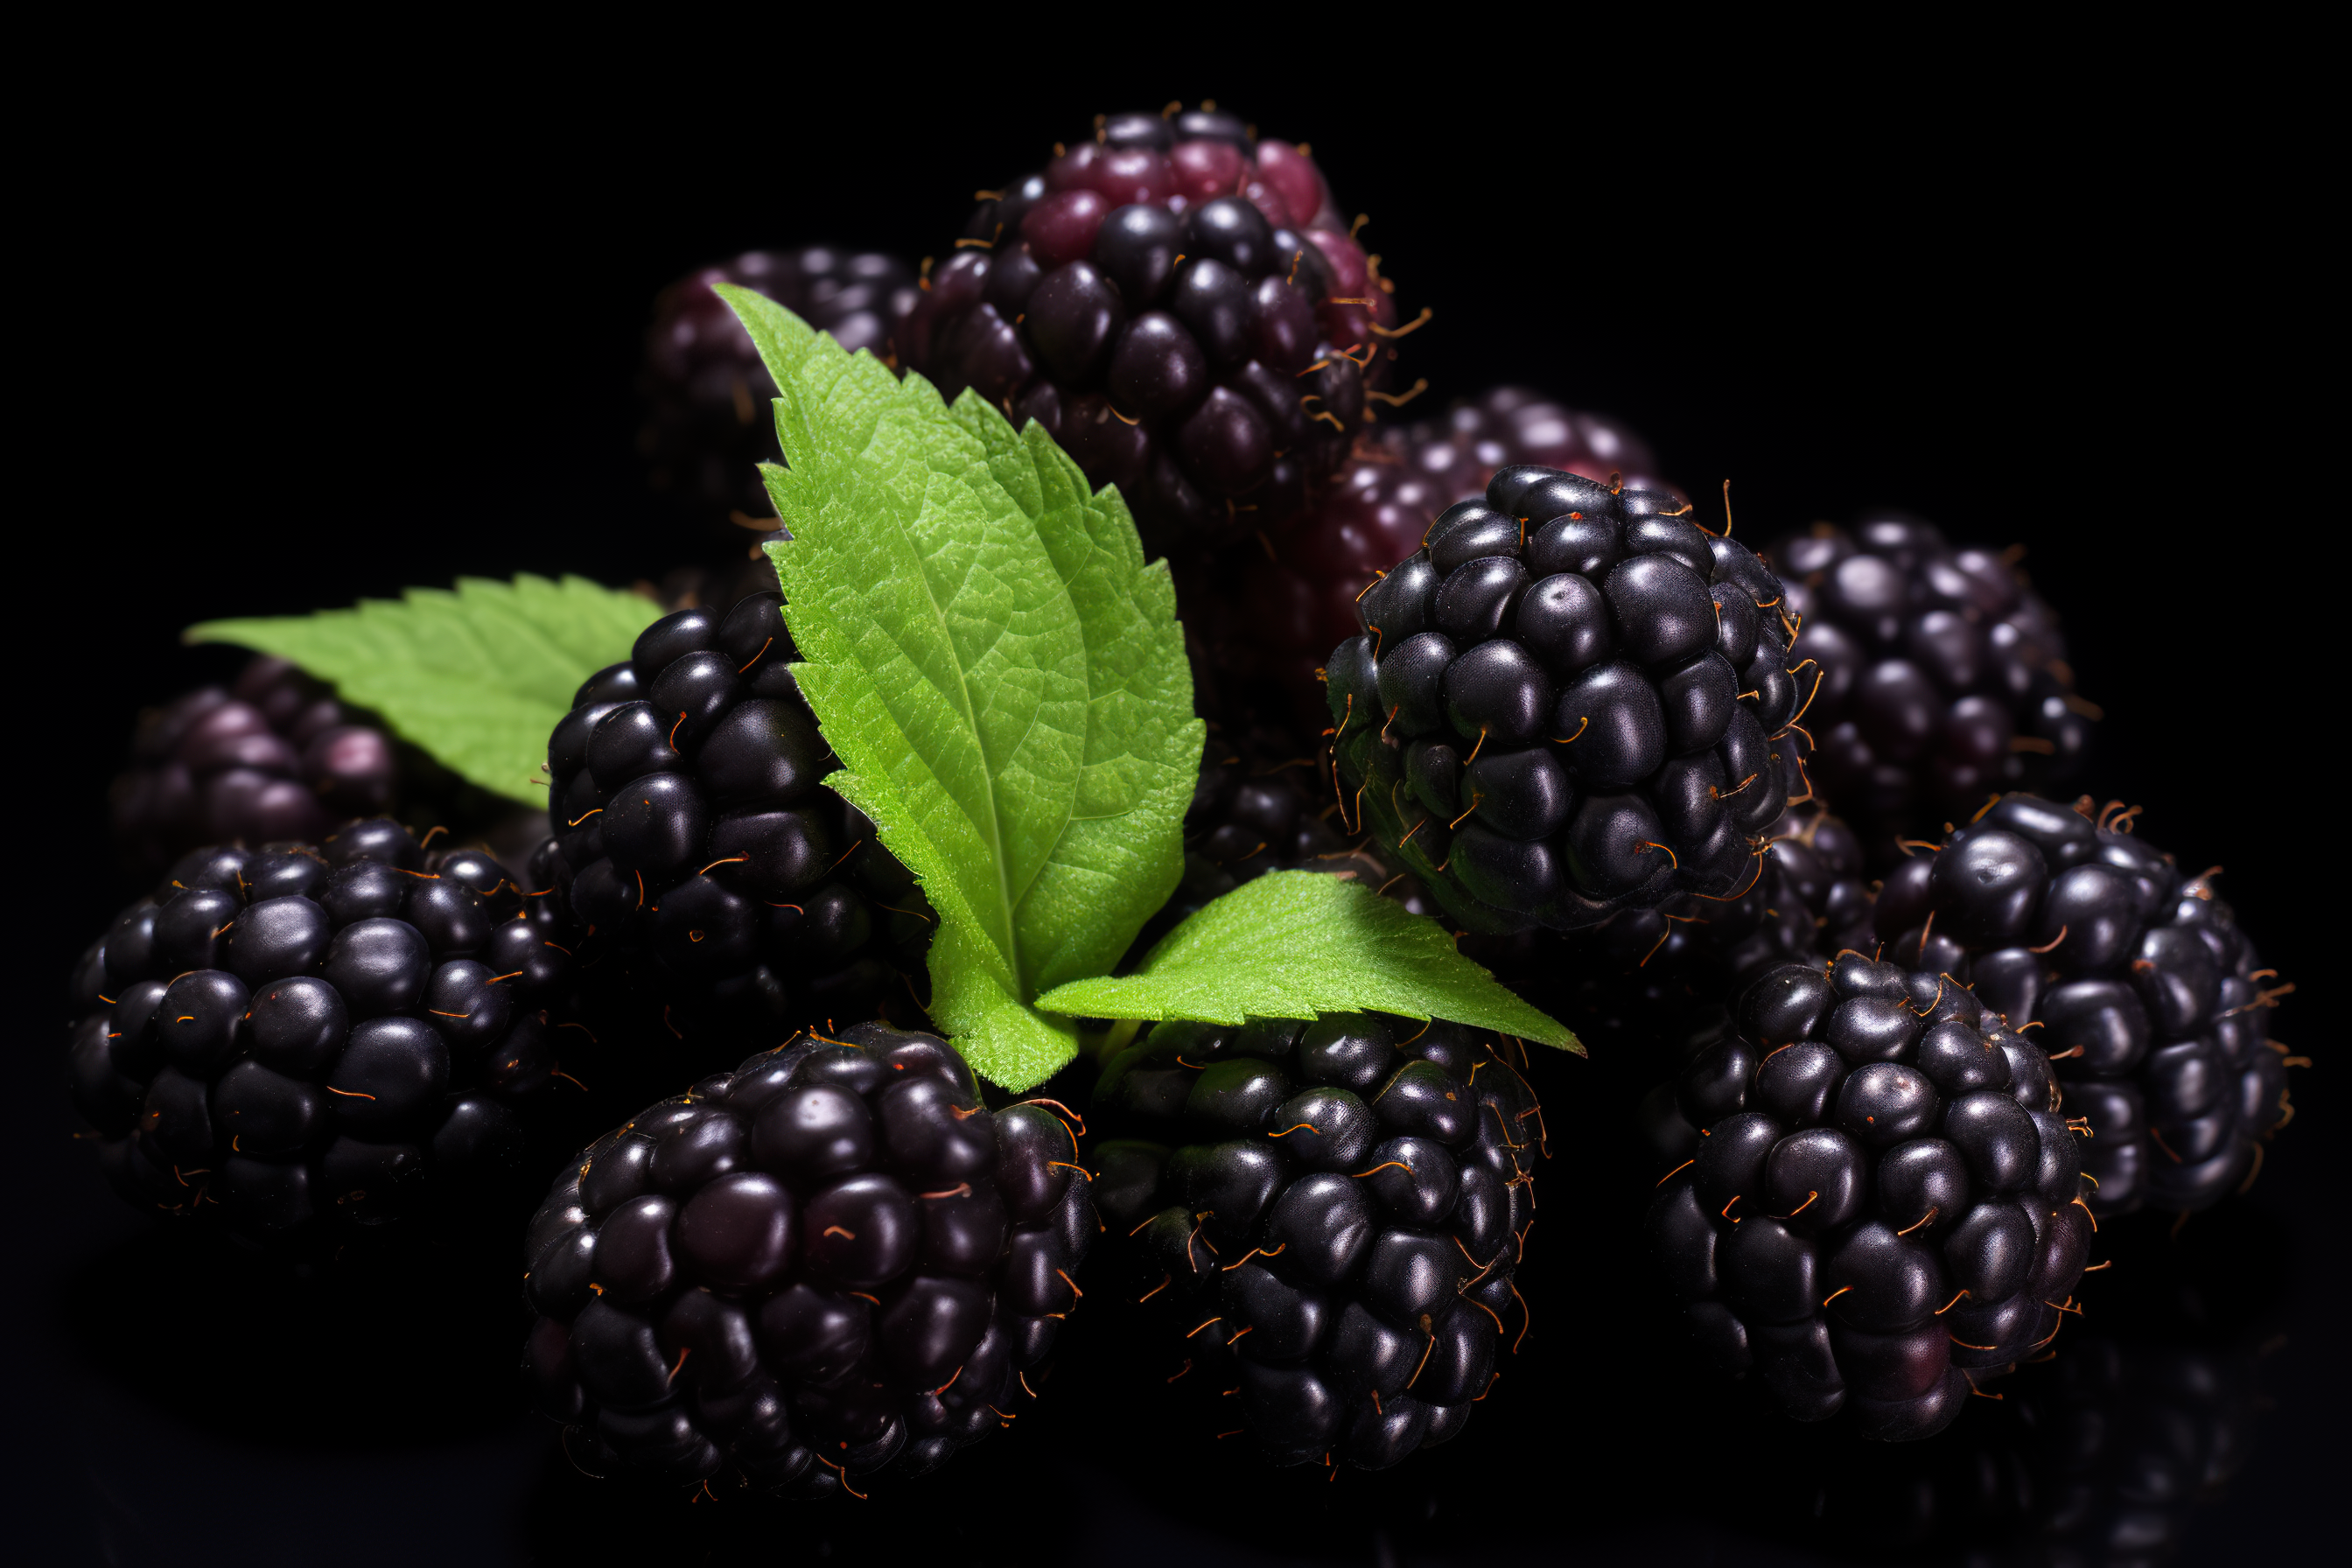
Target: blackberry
1942,676
833,1261
2149,996
1344,1201
706,395
1571,700
1643,978
1296,596
1885,1205
1180,304
296,1039
271,757
714,874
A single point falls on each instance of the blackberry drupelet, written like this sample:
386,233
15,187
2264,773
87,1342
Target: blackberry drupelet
714,875
1297,594
1942,677
1182,307
1885,1204
833,1261
1330,1213
271,757
2149,996
294,1039
1572,700
706,393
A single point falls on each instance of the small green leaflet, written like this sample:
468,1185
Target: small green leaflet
1293,944
1000,672
479,677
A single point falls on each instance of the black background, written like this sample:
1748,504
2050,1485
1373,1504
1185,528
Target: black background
294,344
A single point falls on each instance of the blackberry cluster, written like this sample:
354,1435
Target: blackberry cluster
301,1037
1297,596
1181,305
710,866
272,757
2149,998
832,1261
1885,1204
1344,1202
1942,676
706,393
1570,701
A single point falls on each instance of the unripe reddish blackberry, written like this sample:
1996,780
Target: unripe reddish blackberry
833,1261
716,881
707,419
1941,677
1571,700
293,1039
2149,998
1297,594
1885,1205
1180,305
1326,1218
271,757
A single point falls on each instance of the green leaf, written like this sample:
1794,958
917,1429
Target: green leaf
478,677
1000,672
1293,944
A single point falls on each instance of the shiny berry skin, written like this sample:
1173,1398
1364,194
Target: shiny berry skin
1938,676
1896,1215
699,851
705,393
327,1060
1186,313
1270,613
2151,1001
1662,779
832,1262
272,758
1347,1200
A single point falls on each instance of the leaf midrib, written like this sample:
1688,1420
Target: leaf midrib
971,723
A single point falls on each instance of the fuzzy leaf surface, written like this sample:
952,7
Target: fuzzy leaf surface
478,676
1295,945
999,670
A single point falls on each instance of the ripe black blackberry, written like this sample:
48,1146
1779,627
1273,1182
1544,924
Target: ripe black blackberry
1343,1202
1942,676
2149,998
271,757
1885,1205
1182,307
295,1038
1296,596
714,875
706,395
832,1261
1572,700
